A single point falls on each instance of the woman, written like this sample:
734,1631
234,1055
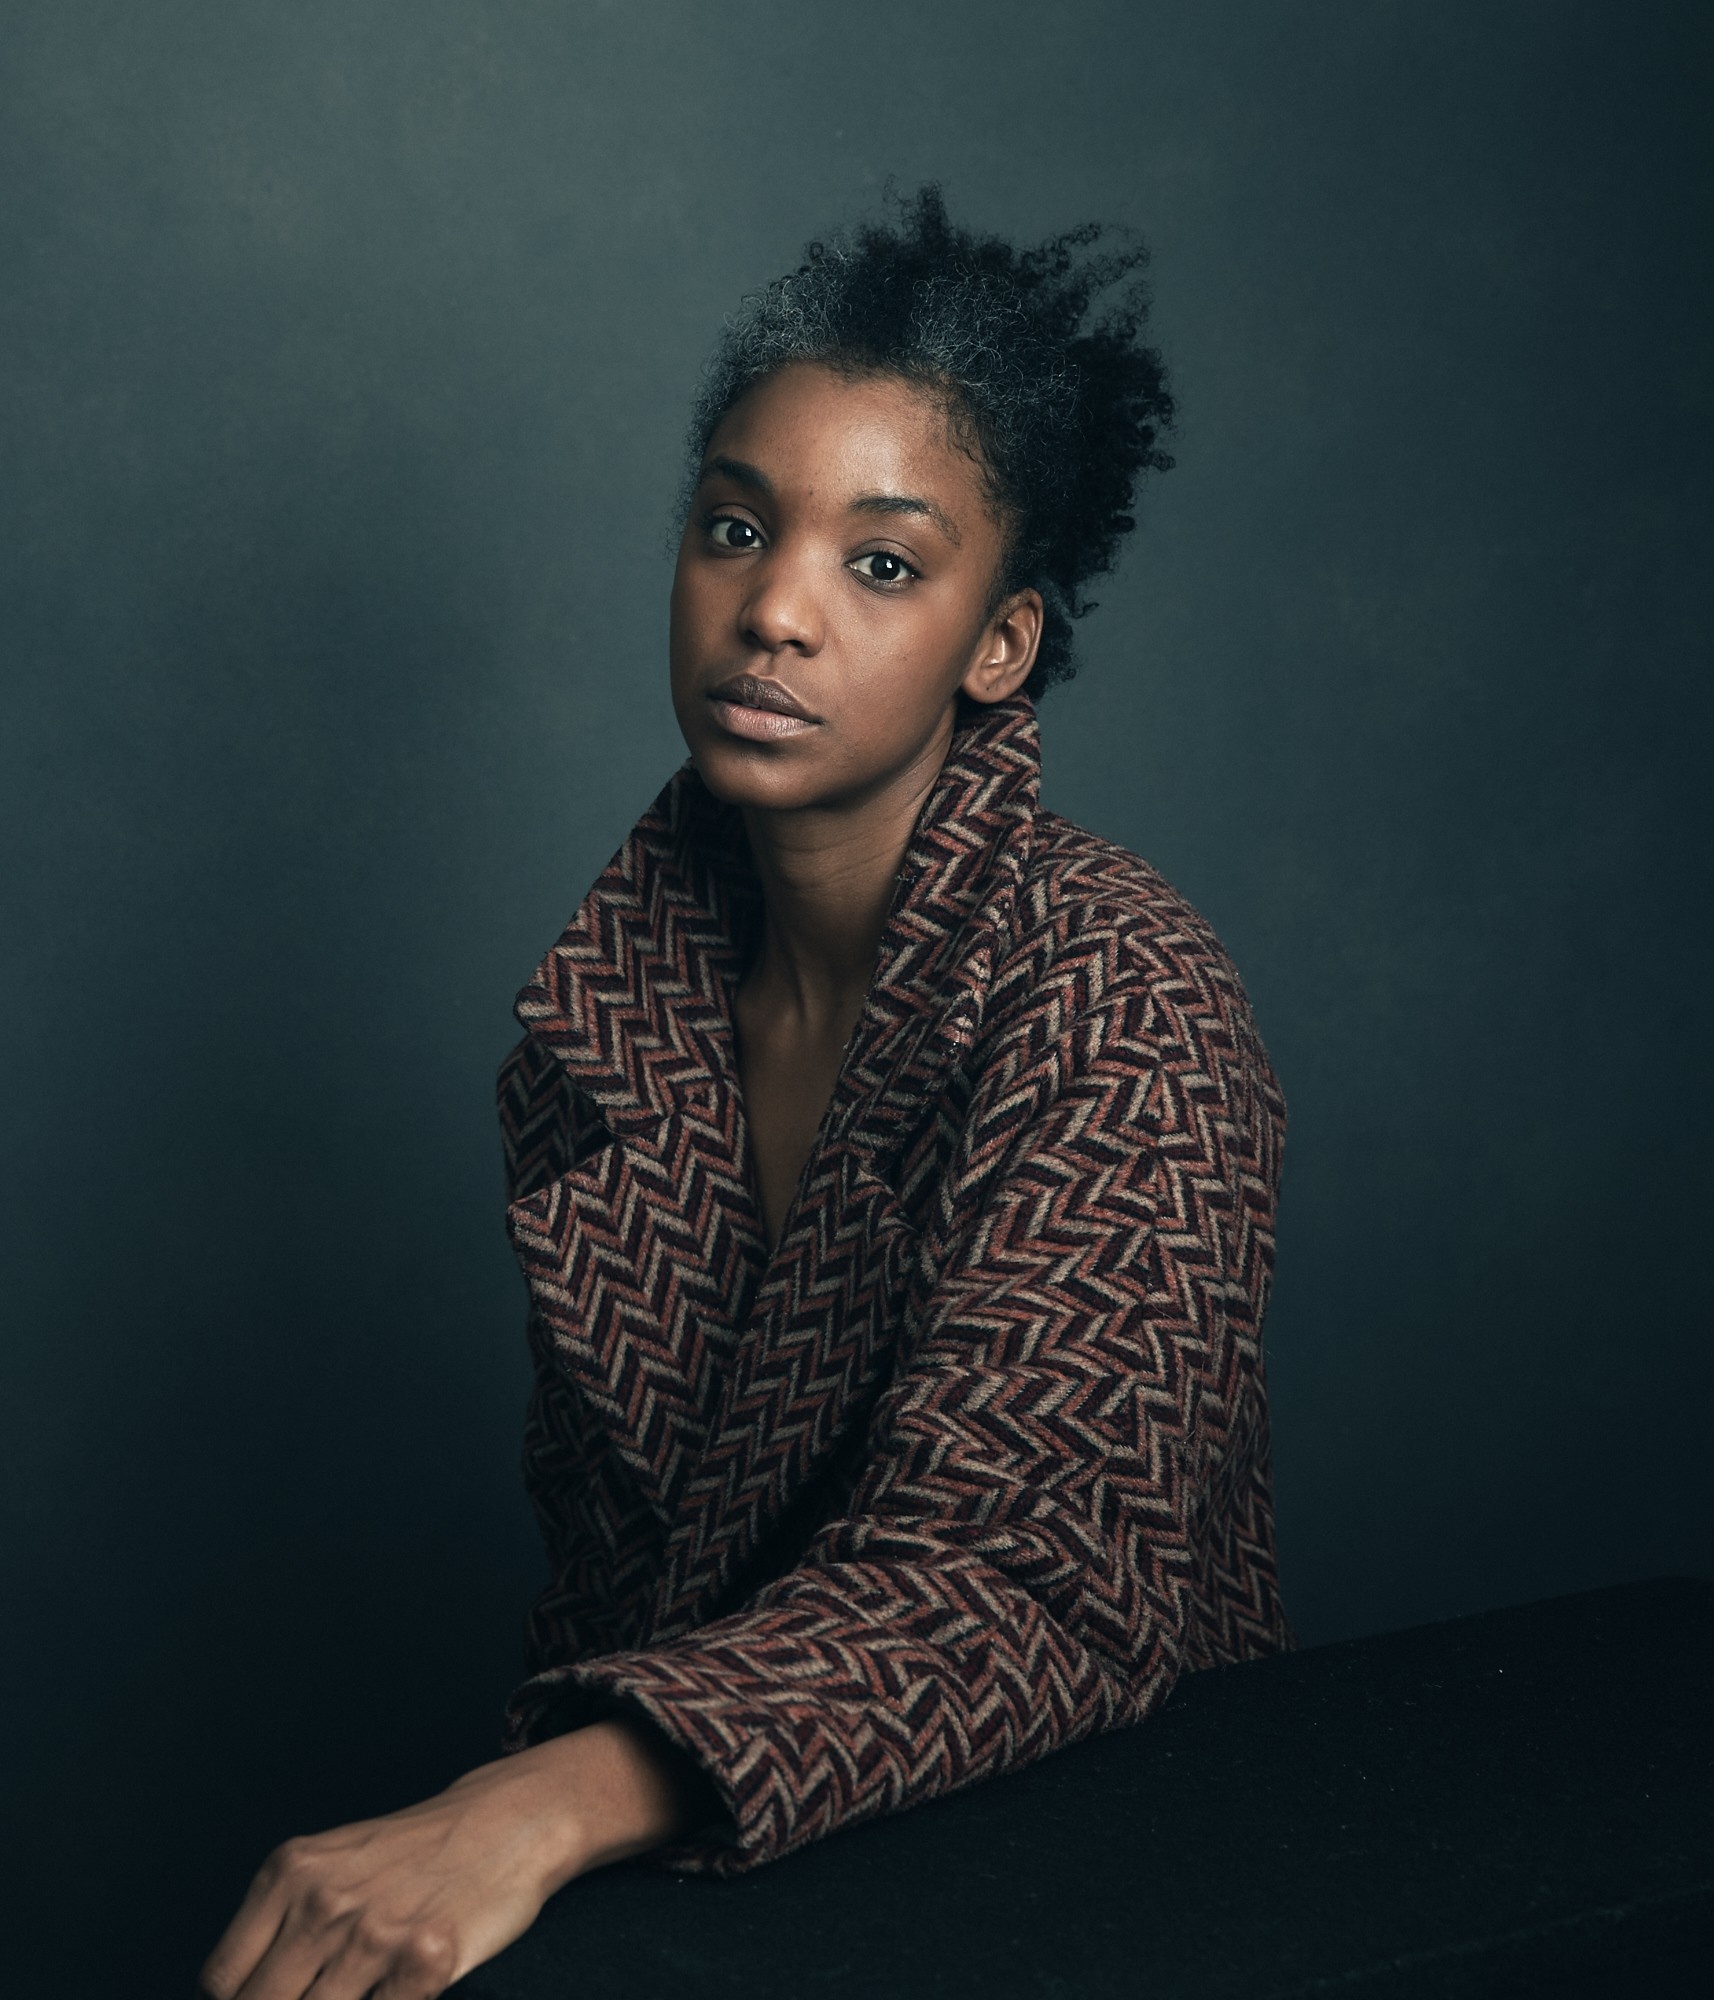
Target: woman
892,1164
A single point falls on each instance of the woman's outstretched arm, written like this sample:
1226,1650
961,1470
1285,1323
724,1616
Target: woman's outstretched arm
403,1905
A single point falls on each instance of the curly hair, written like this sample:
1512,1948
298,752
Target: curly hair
1061,406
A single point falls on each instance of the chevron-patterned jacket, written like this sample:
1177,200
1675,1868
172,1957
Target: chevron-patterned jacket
976,1462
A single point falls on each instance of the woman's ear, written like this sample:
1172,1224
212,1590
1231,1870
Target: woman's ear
1008,649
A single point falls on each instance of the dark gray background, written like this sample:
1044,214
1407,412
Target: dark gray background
345,353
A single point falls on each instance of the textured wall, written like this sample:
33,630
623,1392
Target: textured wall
344,351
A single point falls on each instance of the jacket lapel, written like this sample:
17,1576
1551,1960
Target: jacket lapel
640,1259
634,999
957,895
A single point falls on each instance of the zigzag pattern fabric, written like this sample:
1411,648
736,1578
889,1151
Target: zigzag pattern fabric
975,1462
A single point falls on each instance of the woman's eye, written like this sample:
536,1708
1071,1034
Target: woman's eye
727,531
884,566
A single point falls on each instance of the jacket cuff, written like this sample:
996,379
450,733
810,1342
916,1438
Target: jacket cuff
784,1776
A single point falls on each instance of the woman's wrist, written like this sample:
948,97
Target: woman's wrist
612,1789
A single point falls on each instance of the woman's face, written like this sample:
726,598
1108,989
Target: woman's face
832,595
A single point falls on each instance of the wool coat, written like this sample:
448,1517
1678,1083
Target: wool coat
975,1462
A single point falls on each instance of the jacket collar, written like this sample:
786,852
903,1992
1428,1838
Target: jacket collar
635,1000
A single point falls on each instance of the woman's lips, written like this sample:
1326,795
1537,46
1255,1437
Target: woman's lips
762,711
761,725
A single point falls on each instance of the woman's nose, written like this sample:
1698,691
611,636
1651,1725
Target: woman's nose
782,607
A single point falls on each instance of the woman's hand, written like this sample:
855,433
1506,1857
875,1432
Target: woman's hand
402,1906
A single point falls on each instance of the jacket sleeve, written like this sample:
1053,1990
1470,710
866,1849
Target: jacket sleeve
1066,1469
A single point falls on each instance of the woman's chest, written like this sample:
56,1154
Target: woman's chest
787,1072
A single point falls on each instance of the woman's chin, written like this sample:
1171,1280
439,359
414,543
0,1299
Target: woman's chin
750,770
753,782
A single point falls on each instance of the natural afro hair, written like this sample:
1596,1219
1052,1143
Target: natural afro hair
1061,405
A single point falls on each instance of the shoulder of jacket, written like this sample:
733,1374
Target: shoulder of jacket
1104,950
1083,893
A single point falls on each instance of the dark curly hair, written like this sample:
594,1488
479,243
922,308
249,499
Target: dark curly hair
1061,408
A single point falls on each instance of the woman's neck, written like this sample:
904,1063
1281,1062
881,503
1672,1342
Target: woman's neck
827,880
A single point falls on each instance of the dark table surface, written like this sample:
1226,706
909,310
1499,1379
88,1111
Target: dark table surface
1516,1803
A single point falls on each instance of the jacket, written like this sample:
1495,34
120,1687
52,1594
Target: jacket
976,1462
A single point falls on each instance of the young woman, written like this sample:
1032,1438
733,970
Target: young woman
892,1163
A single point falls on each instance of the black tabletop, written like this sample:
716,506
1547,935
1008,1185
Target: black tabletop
1521,1802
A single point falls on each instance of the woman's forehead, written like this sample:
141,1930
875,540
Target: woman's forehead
843,433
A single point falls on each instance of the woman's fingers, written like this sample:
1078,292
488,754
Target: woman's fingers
329,1948
250,1935
298,1931
379,1961
421,1969
361,1968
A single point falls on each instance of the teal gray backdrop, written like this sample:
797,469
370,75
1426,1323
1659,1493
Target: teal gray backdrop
345,353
